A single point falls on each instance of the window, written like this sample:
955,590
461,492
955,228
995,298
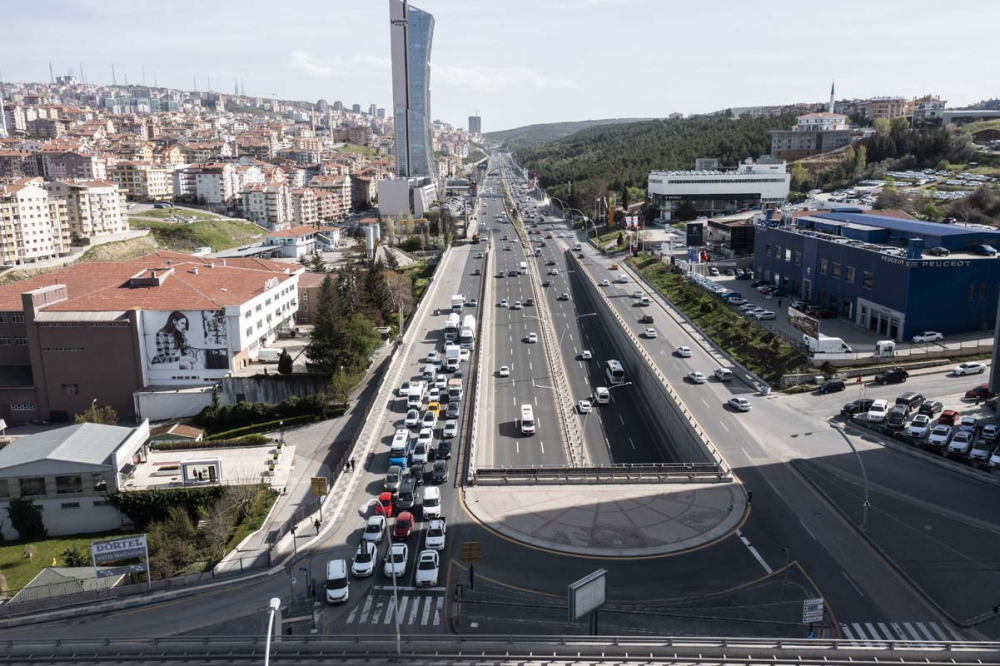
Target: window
836,270
972,291
22,406
70,505
869,279
71,389
3,317
68,485
797,258
33,486
824,267
788,254
4,340
767,250
850,274
20,340
17,318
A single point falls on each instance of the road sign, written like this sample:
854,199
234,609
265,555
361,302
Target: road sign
812,610
587,594
472,551
319,486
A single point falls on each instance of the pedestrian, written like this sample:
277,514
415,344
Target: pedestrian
779,302
749,497
352,464
316,524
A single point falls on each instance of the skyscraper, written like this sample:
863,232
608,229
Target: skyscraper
411,31
475,125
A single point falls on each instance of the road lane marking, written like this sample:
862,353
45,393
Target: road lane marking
753,551
723,426
366,610
632,443
806,527
856,588
622,419
703,401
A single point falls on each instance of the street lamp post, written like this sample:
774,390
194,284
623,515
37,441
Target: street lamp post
395,591
864,475
566,328
613,386
273,607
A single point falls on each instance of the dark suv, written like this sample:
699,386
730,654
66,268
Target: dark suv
892,376
856,407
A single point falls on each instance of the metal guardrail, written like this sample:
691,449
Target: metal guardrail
699,432
644,473
507,649
477,395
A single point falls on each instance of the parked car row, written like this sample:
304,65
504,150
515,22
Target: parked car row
733,298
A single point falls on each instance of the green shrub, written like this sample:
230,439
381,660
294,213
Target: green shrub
144,507
26,519
267,426
246,440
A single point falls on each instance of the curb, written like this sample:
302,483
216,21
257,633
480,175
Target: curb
877,548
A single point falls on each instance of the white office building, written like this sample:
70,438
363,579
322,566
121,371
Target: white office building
720,192
406,196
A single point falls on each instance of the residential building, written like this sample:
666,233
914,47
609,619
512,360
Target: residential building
927,110
120,332
301,241
720,192
872,269
69,473
33,226
475,126
412,32
93,207
215,184
339,187
304,208
309,284
15,118
76,165
143,181
885,107
18,164
814,133
268,204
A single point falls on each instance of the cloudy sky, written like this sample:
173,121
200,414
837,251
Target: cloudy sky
526,61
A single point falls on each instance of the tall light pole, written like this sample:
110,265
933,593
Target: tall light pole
273,606
864,475
578,318
613,386
395,591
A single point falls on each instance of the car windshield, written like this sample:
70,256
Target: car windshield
403,524
398,557
431,501
373,528
426,564
435,533
364,555
336,583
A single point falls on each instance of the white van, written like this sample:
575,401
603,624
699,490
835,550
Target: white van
577,246
644,301
602,395
430,372
527,422
337,590
415,398
268,355
430,505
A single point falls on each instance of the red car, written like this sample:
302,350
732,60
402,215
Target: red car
403,527
386,506
949,417
981,392
824,314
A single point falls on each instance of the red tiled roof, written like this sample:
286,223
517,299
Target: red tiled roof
309,280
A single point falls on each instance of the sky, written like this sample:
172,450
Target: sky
518,62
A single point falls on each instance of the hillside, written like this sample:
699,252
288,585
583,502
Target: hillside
607,158
531,135
217,234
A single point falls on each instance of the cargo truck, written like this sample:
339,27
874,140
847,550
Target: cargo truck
457,302
452,356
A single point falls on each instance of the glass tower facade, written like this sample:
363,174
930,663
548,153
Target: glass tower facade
412,35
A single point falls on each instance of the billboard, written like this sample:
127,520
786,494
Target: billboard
118,549
186,339
587,594
800,321
695,233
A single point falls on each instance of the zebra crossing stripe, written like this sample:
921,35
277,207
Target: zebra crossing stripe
866,633
885,631
938,631
926,633
391,603
402,607
364,612
911,631
437,611
427,611
378,611
414,611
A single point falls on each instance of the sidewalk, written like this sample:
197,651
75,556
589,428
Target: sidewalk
611,520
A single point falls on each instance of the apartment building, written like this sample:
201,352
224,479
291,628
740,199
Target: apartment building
268,204
304,208
33,226
76,165
143,181
18,164
215,184
119,332
885,107
339,187
814,133
93,207
17,122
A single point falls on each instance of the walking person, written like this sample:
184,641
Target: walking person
749,497
352,464
779,302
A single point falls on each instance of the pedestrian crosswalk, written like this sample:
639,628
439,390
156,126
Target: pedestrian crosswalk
418,608
898,631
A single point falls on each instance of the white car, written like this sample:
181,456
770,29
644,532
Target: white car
586,355
412,419
623,279
375,529
503,303
584,406
504,371
939,435
928,336
995,458
919,426
425,437
748,306
878,412
440,383
605,283
395,560
980,450
433,357
636,294
697,377
419,454
961,442
464,355
990,432
969,368
683,352
650,333
434,394
404,388
516,306
437,531
364,560
428,565
736,301
532,337
764,314
967,424
740,404
450,429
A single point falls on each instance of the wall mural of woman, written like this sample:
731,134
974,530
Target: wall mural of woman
172,343
195,340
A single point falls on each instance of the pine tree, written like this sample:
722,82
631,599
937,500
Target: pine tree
349,303
377,289
327,338
391,261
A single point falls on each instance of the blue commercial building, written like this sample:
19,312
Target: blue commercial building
882,273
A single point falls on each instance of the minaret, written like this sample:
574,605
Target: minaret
832,86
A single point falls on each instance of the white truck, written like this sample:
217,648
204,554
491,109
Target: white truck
455,390
457,302
452,356
826,345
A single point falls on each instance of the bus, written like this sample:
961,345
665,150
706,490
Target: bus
615,372
451,327
467,336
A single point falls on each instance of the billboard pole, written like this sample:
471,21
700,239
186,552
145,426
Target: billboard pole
149,572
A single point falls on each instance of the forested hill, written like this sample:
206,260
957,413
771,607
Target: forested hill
530,135
610,157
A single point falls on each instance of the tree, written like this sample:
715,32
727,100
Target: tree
360,342
624,197
326,340
348,292
376,290
802,180
860,160
26,519
686,212
318,264
890,197
285,363
74,556
400,289
104,415
341,385
899,125
882,125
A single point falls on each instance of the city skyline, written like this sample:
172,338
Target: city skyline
508,63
